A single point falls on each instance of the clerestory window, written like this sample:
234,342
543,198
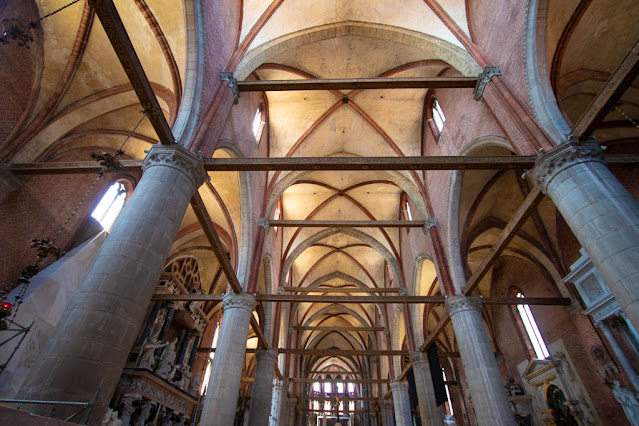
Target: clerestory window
110,205
438,115
530,325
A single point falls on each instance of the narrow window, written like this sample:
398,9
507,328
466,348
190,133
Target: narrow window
409,215
110,205
449,405
541,351
258,123
438,115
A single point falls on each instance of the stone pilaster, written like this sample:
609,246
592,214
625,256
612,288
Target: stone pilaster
99,325
262,386
600,212
484,380
226,372
430,413
401,402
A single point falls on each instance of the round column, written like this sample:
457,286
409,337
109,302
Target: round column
430,413
99,325
401,402
262,386
600,212
278,408
482,373
226,372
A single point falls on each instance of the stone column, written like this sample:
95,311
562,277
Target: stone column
98,328
278,407
388,419
262,386
401,402
291,403
430,413
600,212
484,380
226,372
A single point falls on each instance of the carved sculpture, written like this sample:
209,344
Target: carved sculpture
185,378
128,404
194,386
145,410
147,360
111,418
165,367
628,401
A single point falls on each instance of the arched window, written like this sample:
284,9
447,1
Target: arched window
530,325
110,205
258,123
438,115
409,214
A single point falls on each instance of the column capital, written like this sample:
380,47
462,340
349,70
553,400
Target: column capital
177,158
280,383
239,300
561,157
459,303
418,358
397,386
266,354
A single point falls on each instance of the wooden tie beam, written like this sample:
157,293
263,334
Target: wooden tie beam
115,31
609,95
340,290
304,298
358,84
498,162
347,223
335,381
336,328
340,352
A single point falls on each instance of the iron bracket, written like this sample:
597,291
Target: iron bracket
429,224
232,82
482,80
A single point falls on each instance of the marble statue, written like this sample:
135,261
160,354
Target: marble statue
185,378
147,360
128,404
194,386
145,410
167,360
111,418
628,401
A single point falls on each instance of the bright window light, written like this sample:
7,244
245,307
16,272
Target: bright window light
328,388
257,121
541,351
409,215
110,205
449,405
438,115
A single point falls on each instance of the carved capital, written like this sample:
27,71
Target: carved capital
550,164
179,159
280,384
459,303
397,386
417,358
239,301
269,355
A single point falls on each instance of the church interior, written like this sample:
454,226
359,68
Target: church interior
310,213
